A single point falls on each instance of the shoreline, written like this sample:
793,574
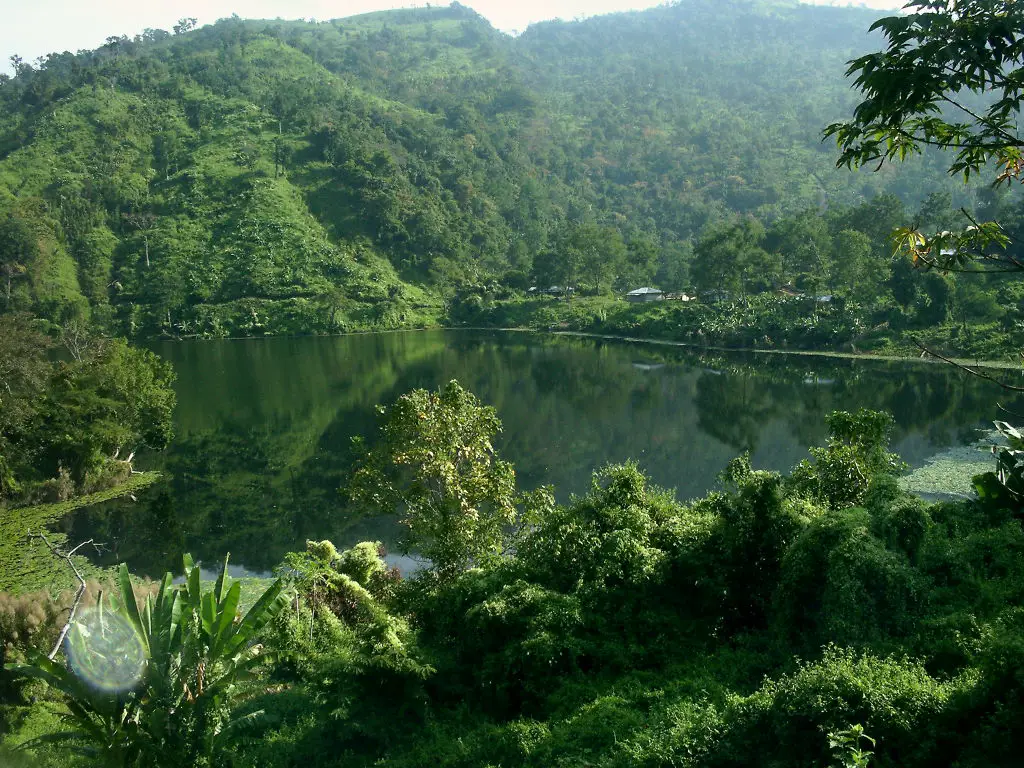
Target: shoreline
931,360
27,564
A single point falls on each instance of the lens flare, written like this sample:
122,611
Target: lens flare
105,651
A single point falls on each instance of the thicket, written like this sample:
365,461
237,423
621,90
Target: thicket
774,621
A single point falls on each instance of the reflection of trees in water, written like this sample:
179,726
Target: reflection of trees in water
940,405
265,430
149,534
734,408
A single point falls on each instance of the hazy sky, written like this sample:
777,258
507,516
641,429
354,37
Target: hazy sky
32,28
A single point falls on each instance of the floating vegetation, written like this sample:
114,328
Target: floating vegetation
951,472
26,564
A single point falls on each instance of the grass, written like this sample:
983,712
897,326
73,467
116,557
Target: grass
26,564
28,723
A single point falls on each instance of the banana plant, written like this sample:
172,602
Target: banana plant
192,649
1005,486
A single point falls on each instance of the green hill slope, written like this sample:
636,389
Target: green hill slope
266,177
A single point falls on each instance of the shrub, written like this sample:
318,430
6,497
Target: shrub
994,704
857,452
840,583
787,721
601,542
756,524
519,641
359,660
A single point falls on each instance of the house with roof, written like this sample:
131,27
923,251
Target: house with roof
645,294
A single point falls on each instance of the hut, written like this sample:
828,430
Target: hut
645,294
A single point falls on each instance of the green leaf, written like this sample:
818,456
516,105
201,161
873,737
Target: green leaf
225,621
269,604
221,579
128,604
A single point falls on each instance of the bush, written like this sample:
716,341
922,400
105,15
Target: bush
519,642
602,543
994,704
857,452
786,722
840,583
756,524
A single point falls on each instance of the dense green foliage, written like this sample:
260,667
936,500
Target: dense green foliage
64,423
435,465
258,177
775,621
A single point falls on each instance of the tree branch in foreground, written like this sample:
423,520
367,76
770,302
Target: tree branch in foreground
968,369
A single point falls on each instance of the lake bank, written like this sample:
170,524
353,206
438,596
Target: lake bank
28,564
764,323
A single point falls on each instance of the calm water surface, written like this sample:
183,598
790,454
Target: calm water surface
264,427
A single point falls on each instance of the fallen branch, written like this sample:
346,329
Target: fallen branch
81,586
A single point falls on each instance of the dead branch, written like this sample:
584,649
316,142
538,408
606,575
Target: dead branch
67,557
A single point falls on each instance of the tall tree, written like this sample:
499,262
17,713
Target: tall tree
852,265
729,257
803,243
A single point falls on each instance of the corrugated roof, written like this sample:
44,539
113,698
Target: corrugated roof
643,291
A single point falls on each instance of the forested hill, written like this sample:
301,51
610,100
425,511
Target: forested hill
275,176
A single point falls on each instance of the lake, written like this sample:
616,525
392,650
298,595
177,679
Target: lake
264,427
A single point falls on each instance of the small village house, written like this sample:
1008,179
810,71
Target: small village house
645,294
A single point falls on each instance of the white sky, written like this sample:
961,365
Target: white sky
32,28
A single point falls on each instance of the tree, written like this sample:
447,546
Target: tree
24,370
851,264
184,25
949,78
144,222
729,257
19,247
642,253
116,398
582,252
435,465
803,242
167,152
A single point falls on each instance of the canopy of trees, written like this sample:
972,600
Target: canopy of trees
257,177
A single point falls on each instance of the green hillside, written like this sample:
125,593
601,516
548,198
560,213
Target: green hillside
256,177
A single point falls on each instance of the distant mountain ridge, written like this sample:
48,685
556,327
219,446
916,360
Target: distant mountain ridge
272,176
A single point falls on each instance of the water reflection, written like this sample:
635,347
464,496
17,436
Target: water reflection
264,427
